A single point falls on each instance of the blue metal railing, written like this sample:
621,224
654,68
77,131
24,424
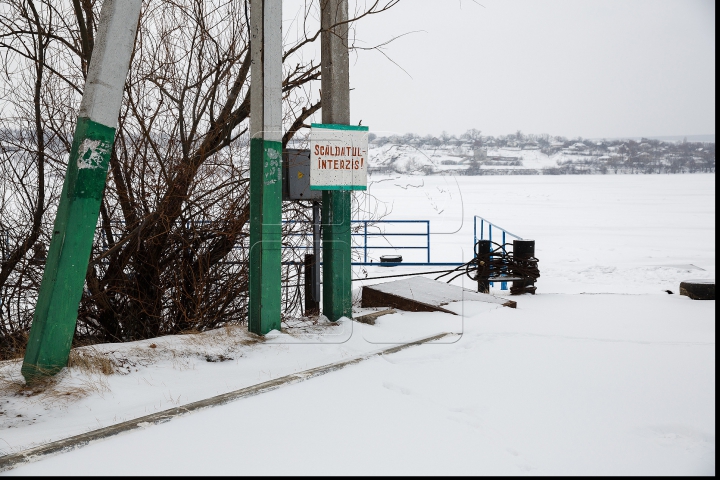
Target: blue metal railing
365,246
505,234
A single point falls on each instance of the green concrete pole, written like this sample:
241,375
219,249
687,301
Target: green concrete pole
336,204
63,280
265,166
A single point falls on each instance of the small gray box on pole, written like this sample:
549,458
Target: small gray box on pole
296,176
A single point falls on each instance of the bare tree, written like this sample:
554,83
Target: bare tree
170,251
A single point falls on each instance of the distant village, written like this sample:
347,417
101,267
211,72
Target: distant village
520,154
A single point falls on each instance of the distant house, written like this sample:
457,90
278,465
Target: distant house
531,146
556,146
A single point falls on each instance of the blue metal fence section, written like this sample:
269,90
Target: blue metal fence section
505,234
366,243
366,236
490,225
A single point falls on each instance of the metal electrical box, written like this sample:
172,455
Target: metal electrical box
296,176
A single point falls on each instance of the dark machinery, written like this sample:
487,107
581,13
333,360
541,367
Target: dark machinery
511,262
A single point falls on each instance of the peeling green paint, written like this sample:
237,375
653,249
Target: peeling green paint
265,236
63,280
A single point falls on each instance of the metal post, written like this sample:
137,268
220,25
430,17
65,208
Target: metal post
483,248
336,205
428,240
522,250
312,306
474,234
491,247
316,253
365,238
265,165
503,285
55,314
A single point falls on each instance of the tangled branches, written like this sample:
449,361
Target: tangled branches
170,253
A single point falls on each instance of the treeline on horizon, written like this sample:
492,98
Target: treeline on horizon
475,138
480,155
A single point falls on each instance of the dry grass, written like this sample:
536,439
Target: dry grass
89,366
61,388
91,361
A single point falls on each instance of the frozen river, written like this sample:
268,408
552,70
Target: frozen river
601,373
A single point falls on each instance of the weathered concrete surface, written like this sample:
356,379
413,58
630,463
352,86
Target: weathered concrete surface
420,294
698,289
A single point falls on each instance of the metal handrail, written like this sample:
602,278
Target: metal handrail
483,221
505,234
365,246
365,235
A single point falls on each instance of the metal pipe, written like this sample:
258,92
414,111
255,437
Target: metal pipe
316,252
428,241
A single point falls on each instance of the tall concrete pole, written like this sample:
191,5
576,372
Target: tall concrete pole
336,204
55,314
265,165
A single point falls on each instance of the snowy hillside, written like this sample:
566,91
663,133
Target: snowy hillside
558,157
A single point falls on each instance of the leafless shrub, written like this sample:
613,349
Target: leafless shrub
170,254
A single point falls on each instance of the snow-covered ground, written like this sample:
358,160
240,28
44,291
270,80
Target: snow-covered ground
409,158
601,372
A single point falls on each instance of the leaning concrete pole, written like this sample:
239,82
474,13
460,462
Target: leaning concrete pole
336,204
265,165
55,315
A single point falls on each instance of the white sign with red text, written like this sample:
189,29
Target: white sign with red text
338,157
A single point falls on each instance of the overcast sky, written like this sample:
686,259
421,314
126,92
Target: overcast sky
590,68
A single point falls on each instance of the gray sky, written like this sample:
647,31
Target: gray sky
590,68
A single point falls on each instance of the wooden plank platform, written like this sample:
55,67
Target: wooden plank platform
420,294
